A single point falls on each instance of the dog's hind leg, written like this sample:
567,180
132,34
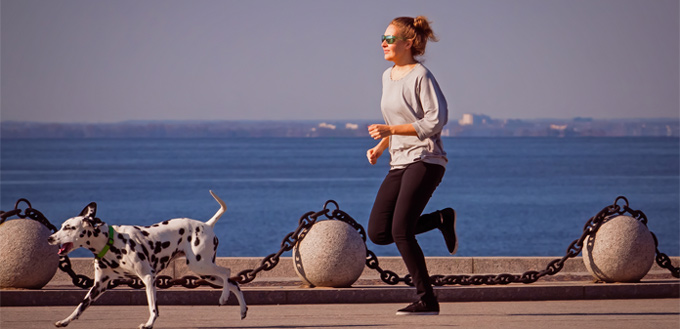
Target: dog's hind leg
220,276
150,283
236,290
100,285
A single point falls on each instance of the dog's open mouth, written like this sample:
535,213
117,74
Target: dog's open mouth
65,248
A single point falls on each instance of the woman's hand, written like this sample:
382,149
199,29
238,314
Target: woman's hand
379,131
374,153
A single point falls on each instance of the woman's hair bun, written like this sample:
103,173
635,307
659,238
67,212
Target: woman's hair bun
418,29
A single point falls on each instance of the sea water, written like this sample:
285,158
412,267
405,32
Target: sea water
513,196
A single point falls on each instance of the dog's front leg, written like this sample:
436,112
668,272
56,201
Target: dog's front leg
150,283
97,290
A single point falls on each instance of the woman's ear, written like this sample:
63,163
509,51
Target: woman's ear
409,43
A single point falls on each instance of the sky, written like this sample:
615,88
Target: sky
111,61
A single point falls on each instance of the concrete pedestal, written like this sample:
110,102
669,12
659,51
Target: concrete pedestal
331,254
622,250
26,259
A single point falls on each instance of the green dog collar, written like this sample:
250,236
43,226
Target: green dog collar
108,244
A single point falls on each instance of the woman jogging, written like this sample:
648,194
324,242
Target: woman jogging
415,111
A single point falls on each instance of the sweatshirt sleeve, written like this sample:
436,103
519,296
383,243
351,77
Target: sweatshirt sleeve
434,107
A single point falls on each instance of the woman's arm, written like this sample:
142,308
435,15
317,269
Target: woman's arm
383,131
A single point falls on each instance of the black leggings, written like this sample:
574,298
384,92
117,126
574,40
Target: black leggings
396,217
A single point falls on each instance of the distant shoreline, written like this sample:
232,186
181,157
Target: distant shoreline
475,126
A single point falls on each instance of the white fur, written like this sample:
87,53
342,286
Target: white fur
142,252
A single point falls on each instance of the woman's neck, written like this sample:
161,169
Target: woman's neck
405,62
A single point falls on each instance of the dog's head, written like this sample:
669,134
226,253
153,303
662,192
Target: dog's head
78,231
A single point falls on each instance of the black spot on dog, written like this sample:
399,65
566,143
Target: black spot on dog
197,241
141,256
181,231
114,264
92,249
179,241
89,233
198,229
82,234
96,232
145,251
165,260
187,261
132,244
189,238
101,263
87,242
157,249
198,258
123,251
165,222
165,244
145,233
122,238
154,225
137,227
105,278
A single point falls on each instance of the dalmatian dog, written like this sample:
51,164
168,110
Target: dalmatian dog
142,252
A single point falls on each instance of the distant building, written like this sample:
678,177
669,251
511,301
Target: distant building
351,126
474,119
467,120
327,126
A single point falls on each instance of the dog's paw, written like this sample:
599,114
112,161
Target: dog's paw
143,326
60,324
244,313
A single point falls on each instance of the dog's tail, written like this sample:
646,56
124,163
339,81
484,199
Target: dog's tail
218,214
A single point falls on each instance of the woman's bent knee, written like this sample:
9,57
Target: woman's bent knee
380,238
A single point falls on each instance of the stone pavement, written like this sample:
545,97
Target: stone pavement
276,300
618,314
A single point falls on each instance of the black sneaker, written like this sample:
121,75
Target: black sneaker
448,228
420,308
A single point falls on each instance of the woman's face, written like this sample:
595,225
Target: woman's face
400,50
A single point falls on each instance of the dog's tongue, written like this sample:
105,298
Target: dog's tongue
65,248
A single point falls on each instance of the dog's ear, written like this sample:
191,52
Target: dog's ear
90,210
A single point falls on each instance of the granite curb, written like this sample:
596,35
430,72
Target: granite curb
357,294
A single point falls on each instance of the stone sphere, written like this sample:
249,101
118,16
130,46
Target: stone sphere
622,250
26,259
330,254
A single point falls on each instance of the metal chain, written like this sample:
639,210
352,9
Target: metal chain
291,239
389,277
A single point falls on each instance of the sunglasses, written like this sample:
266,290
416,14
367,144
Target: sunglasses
390,39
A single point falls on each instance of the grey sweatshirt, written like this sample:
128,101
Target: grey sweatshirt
416,99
